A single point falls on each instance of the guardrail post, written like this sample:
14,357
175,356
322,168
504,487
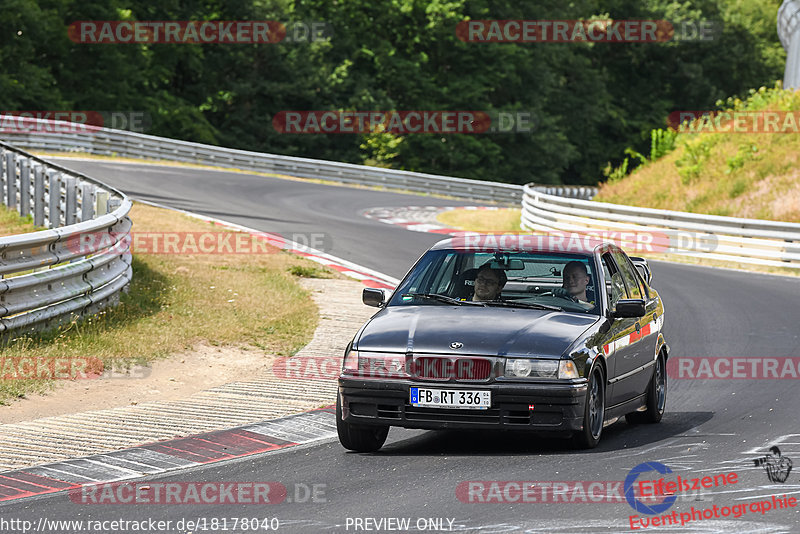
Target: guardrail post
71,211
3,175
11,180
87,202
24,187
101,203
112,204
54,199
38,195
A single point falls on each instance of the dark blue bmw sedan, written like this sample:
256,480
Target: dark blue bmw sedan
520,332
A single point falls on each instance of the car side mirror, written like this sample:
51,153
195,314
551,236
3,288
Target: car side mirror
372,296
629,308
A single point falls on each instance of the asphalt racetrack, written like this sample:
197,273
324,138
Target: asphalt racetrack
417,481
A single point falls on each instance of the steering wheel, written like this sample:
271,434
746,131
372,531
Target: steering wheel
553,294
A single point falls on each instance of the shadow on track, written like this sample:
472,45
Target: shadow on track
618,436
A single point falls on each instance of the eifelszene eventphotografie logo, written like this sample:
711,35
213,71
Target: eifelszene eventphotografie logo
777,466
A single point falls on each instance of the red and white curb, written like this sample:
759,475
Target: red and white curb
198,449
420,218
367,276
171,455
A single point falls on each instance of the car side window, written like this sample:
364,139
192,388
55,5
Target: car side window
640,280
629,276
444,276
423,275
615,287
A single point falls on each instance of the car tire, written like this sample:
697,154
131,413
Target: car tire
656,396
594,410
359,438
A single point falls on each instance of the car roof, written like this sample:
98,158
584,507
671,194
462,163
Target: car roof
568,243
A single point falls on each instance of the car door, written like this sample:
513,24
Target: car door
647,335
634,365
617,346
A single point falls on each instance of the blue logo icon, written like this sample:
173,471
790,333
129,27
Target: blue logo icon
630,481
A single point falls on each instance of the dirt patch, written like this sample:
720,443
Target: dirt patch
776,197
179,376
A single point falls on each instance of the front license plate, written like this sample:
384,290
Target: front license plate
451,398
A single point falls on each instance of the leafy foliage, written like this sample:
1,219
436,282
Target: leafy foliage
590,101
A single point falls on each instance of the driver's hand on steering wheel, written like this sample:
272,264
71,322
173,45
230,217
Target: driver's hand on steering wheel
563,293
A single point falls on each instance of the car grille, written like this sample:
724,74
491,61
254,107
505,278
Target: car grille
492,415
508,416
433,368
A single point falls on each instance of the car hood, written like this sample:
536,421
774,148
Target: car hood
483,331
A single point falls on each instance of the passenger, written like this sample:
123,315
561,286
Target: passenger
576,278
489,283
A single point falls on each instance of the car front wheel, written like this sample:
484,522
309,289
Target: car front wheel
594,411
359,438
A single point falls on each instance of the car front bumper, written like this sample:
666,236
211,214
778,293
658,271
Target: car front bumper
546,407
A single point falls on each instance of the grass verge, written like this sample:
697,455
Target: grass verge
749,175
500,220
11,223
176,301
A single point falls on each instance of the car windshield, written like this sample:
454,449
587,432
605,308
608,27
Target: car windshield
504,279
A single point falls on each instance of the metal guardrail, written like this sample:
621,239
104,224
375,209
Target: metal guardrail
567,191
53,276
32,134
750,241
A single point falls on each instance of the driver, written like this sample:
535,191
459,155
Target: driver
576,278
489,283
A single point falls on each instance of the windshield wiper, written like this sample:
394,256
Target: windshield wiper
443,298
515,304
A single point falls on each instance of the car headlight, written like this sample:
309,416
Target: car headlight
375,364
535,368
